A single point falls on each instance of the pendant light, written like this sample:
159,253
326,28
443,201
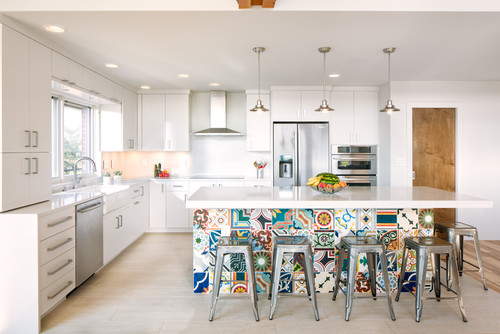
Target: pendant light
389,108
324,108
259,107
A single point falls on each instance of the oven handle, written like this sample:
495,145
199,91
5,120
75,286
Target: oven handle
347,158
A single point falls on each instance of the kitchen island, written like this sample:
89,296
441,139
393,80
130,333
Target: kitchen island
388,213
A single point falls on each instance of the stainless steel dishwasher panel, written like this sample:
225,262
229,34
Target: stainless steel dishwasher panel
89,239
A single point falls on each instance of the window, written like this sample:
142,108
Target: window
72,136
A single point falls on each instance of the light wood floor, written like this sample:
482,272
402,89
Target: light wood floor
148,289
490,254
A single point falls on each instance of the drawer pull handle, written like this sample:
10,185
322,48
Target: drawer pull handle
90,208
50,249
58,292
136,191
60,222
135,203
50,273
177,186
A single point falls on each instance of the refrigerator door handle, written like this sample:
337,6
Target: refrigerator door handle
296,179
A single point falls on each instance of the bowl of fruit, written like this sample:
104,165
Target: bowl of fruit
326,183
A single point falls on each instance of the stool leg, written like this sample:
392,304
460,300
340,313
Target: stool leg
372,272
351,282
273,270
448,272
421,271
460,254
479,260
251,282
339,272
276,281
436,268
402,273
458,285
387,283
219,262
308,287
308,261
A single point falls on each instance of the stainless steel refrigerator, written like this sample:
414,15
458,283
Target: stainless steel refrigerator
300,151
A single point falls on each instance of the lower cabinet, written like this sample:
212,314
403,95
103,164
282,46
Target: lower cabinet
116,232
140,210
177,214
157,206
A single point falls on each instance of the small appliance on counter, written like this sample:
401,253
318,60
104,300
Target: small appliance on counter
355,164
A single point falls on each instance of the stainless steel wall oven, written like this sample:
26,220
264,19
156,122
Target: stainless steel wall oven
355,164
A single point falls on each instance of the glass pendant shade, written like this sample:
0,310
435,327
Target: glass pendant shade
324,108
389,107
259,107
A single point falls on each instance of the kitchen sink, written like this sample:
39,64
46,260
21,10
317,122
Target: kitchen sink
105,189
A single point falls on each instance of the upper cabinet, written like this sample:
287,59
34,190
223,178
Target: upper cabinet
355,119
297,104
165,121
258,124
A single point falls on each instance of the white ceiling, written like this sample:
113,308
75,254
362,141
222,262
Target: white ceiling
153,47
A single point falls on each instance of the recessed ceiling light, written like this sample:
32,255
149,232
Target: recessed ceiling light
145,87
214,84
109,65
334,75
53,28
183,75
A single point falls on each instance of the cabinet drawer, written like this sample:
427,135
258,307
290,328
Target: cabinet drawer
56,222
56,245
56,268
177,186
57,291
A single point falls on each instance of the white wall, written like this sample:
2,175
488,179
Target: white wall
477,141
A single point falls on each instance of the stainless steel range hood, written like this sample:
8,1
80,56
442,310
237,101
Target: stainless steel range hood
217,117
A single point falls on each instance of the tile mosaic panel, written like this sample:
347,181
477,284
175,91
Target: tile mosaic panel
303,219
402,235
387,219
342,233
201,261
389,238
366,219
286,283
409,286
263,283
324,239
214,236
407,219
411,262
425,219
324,281
261,219
425,232
298,262
392,260
345,219
262,261
362,283
299,283
201,282
241,218
219,219
200,219
200,241
306,233
262,240
324,219
393,282
238,262
282,219
288,263
324,261
241,233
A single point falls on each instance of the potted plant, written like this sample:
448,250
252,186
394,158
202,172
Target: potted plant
117,176
106,178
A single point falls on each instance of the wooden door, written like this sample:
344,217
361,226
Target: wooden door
434,152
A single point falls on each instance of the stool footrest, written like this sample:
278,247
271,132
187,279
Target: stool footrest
441,298
472,264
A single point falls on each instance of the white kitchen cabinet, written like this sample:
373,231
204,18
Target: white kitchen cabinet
177,125
297,105
129,119
258,124
165,122
355,119
157,206
152,122
116,232
259,183
194,185
177,214
67,70
111,138
140,210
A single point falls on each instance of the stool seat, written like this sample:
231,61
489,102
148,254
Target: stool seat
354,245
292,244
234,245
423,247
455,233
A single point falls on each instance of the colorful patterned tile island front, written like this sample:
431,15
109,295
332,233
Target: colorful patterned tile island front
324,227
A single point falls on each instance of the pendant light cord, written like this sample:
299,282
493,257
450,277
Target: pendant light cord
258,76
389,71
324,75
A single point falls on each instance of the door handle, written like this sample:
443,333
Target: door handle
117,222
35,160
28,160
130,143
35,141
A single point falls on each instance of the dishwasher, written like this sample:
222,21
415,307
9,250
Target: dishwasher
89,234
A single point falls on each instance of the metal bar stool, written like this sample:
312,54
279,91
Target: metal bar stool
234,245
455,233
292,244
354,246
424,246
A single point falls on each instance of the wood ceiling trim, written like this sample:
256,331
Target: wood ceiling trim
245,4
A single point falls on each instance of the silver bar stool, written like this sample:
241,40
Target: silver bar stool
354,246
434,246
292,244
455,233
234,245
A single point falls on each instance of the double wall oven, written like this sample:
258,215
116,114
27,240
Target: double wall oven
355,164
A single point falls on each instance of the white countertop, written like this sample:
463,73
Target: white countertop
352,197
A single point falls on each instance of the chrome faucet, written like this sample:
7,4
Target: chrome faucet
75,177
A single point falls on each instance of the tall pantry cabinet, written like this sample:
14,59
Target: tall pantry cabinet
24,120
